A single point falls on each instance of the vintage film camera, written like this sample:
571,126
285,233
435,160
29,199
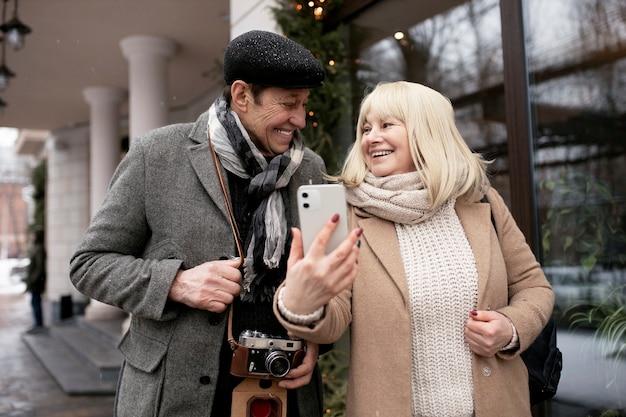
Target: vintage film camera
263,356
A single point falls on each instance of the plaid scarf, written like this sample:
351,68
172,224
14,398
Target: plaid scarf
268,230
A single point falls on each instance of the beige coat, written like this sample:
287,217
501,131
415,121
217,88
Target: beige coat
379,318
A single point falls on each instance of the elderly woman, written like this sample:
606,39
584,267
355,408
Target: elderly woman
443,304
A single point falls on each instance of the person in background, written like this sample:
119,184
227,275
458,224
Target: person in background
443,303
162,248
35,279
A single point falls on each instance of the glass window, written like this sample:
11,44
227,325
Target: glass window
459,53
577,63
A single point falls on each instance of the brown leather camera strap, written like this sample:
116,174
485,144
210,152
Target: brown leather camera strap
233,225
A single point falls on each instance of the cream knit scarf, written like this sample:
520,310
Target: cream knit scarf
398,198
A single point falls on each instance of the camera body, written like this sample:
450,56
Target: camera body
263,356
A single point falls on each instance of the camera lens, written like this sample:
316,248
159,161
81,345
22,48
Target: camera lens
277,363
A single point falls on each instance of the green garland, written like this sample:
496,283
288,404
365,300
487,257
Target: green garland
303,22
334,368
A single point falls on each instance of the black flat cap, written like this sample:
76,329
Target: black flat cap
269,59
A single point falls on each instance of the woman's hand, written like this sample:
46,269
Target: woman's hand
301,376
314,279
487,332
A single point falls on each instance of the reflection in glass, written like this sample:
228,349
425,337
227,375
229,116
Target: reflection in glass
577,60
459,53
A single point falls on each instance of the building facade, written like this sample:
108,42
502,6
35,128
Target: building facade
538,86
15,194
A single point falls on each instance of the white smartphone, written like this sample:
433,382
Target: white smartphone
317,203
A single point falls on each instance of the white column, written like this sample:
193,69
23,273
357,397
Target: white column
148,81
104,155
248,15
104,146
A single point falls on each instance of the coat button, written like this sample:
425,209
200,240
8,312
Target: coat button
486,371
205,380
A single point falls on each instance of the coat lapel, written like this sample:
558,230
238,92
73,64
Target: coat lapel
476,221
202,163
381,238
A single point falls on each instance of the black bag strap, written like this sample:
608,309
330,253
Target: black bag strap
493,220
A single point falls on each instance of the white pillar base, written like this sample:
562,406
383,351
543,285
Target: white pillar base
100,311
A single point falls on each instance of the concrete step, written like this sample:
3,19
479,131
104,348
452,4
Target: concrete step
80,355
91,346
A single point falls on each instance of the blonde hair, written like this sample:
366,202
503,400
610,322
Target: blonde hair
446,165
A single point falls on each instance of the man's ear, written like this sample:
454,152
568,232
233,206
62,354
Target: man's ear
240,92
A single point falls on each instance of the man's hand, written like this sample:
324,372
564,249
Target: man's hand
301,376
210,286
487,332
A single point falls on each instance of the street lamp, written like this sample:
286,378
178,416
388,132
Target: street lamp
14,30
3,104
5,72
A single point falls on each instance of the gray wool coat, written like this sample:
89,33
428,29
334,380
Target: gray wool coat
164,211
377,311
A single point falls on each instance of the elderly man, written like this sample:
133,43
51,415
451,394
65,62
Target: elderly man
194,237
